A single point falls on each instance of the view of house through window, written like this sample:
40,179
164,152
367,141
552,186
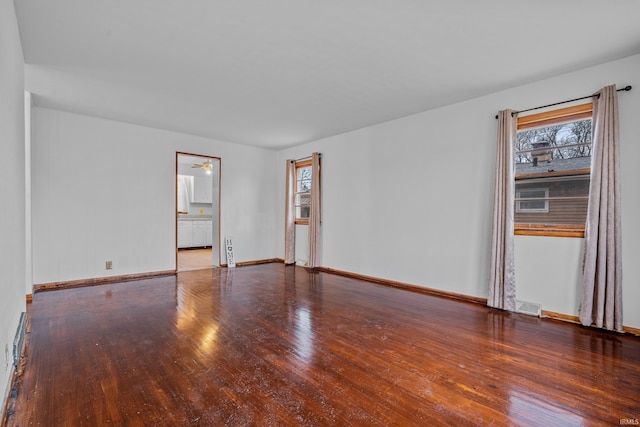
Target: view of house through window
303,191
552,172
532,199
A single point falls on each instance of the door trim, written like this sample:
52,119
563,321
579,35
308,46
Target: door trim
217,202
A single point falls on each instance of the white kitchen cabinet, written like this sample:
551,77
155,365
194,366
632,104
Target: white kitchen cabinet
202,189
199,233
185,234
195,233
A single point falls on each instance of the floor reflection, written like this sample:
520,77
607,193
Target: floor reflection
526,409
304,335
197,315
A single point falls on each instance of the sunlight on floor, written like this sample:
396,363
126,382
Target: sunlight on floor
194,259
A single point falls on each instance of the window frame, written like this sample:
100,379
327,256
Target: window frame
548,118
520,199
299,165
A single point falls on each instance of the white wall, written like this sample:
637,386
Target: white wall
410,200
302,245
12,171
105,190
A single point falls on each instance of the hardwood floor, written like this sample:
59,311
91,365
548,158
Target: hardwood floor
274,345
194,259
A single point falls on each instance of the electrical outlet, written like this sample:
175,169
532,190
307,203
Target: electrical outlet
108,265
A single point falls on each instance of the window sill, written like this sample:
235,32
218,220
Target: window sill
564,230
302,221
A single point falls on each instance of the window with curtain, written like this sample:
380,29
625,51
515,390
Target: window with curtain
303,192
552,172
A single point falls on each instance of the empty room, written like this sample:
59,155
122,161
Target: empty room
309,213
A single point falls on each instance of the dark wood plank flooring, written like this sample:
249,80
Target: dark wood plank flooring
274,345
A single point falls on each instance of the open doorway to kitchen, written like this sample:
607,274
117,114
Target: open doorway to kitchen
197,211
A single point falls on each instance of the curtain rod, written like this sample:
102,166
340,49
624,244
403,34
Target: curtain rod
305,158
625,89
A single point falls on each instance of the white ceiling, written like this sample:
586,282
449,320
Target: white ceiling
283,72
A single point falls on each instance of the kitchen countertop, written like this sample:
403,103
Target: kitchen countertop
194,217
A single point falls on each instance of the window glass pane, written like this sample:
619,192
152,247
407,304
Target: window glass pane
304,179
565,200
551,146
552,186
303,205
303,189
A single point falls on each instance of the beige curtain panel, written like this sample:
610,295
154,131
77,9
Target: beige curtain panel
316,212
502,282
290,214
602,279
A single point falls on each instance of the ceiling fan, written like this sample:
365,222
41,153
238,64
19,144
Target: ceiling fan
207,166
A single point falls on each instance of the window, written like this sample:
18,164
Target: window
303,191
532,200
552,172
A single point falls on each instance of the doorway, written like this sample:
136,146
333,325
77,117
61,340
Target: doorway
197,211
